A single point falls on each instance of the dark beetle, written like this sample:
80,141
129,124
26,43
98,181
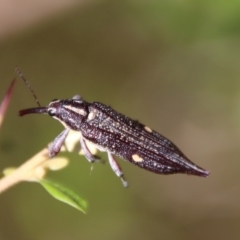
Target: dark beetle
118,135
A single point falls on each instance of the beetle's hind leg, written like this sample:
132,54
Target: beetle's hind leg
89,156
116,168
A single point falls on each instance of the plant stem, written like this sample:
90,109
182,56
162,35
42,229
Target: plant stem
23,172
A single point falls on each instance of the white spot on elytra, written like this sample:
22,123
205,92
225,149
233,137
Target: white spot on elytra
137,158
92,114
148,129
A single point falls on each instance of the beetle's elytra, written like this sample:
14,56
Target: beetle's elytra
118,135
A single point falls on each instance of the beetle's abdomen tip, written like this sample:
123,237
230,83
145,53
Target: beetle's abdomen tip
205,173
193,169
200,172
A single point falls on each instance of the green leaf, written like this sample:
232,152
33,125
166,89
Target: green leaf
64,194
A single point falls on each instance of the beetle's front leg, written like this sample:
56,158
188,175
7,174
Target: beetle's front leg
89,156
116,168
57,143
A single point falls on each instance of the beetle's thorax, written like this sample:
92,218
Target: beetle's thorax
69,112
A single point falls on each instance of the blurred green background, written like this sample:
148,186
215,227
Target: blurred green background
173,65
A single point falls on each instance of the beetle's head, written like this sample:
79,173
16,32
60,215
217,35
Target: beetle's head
69,112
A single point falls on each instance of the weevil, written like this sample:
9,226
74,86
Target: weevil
116,134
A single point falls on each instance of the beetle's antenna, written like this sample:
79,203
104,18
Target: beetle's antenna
27,84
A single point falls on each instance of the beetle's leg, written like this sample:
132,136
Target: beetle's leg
57,143
89,156
116,168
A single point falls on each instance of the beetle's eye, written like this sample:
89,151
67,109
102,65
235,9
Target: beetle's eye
52,112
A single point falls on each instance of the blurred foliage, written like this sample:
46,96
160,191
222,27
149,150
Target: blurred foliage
170,64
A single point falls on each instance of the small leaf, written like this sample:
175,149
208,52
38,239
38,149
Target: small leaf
72,140
72,144
55,164
8,171
65,195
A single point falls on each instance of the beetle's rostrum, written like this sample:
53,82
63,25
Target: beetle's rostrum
118,135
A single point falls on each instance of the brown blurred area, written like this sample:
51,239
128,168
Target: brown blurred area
173,65
18,15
